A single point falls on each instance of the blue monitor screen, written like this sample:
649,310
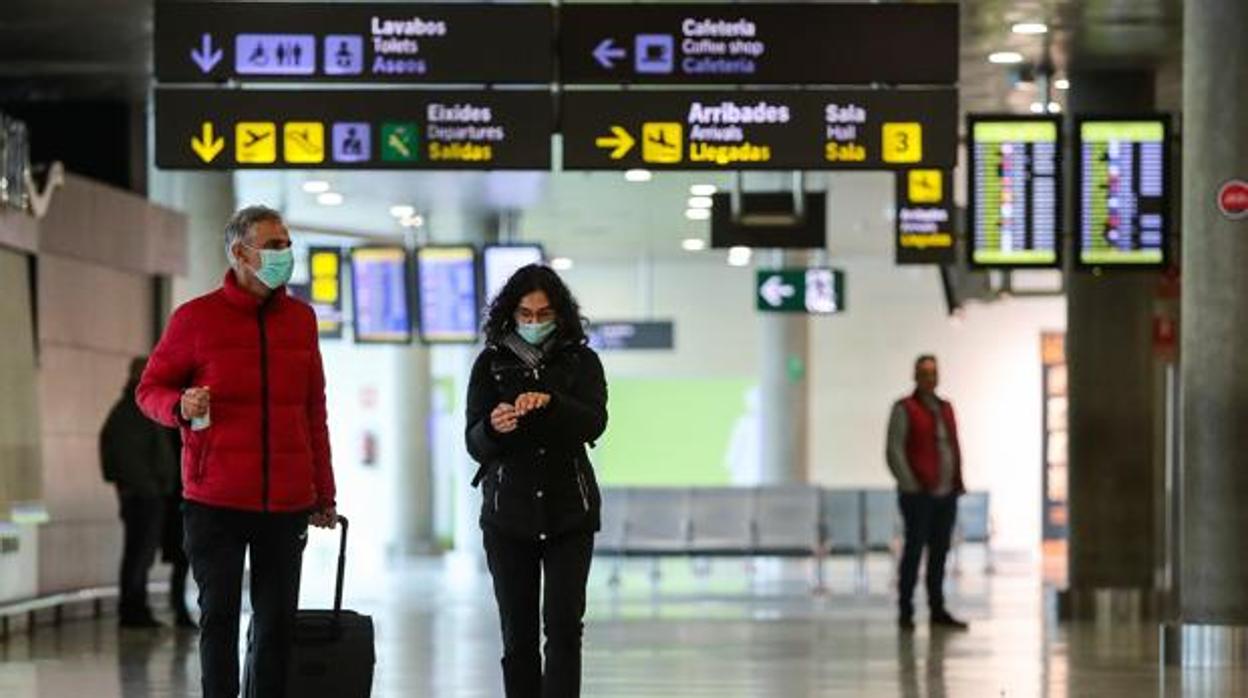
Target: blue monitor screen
380,295
449,306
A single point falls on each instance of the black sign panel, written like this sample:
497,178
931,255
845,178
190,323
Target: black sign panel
1122,190
1014,192
807,130
632,336
771,44
373,42
363,129
769,220
924,217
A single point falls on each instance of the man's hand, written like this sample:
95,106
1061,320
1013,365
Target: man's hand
325,518
195,403
504,419
531,402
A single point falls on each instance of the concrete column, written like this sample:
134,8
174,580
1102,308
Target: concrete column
207,199
1116,467
457,223
784,413
412,483
1212,626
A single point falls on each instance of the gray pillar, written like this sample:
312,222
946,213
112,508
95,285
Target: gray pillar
784,413
457,223
1213,607
1116,466
207,199
413,479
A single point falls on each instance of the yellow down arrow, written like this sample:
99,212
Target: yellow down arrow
620,140
205,145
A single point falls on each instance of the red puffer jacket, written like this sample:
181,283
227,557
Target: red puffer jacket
267,448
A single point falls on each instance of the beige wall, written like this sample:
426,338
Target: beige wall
93,320
19,415
98,252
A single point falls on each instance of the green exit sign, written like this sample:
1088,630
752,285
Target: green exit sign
817,291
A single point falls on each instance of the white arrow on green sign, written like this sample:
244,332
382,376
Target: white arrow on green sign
816,291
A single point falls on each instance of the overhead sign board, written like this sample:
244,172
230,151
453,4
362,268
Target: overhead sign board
924,217
380,295
632,335
342,129
1122,190
769,220
723,130
815,291
368,42
448,295
1014,190
845,44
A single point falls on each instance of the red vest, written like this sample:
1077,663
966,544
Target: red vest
923,445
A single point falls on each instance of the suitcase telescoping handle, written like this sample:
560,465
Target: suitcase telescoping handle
342,567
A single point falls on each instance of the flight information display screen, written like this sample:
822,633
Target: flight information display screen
1123,192
1014,192
447,278
501,261
380,296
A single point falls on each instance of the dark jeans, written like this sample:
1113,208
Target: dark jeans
216,541
929,524
141,517
518,567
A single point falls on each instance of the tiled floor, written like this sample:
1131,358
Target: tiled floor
725,635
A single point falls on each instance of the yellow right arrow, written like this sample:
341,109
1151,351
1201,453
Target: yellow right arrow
620,140
205,145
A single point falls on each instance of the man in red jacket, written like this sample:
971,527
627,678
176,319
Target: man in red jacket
239,372
926,459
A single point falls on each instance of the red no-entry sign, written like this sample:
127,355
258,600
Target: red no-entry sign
1233,199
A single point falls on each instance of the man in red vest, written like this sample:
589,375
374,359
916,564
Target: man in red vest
239,372
926,460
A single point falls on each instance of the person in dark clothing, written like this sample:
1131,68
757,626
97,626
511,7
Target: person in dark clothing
172,550
537,396
925,457
138,459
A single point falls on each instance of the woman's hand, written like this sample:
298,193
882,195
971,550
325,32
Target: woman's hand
504,418
531,402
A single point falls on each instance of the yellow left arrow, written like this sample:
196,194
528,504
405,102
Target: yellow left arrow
205,145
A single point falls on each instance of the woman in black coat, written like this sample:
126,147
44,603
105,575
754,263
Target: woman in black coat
537,396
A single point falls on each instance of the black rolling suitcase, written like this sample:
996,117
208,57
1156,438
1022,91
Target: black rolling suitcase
333,652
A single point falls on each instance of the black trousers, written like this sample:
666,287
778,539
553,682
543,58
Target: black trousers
141,518
216,541
173,553
929,522
524,606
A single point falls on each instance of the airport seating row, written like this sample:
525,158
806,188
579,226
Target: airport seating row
768,521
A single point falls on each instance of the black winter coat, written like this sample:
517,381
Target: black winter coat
136,454
537,482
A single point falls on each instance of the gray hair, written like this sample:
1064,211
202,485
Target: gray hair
241,222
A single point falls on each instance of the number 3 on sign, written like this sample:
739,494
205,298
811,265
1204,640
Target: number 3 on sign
903,142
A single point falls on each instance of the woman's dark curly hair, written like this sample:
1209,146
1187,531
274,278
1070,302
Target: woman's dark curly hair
500,317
